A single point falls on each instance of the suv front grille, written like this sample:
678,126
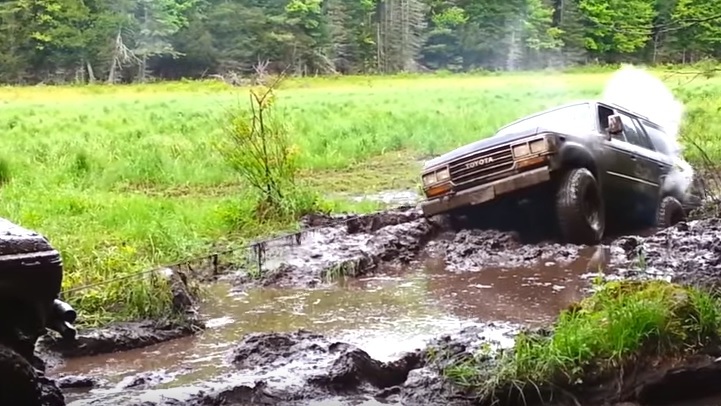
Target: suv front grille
464,177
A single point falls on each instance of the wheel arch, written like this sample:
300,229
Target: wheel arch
574,156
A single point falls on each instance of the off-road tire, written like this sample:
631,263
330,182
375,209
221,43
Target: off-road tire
19,382
579,207
670,211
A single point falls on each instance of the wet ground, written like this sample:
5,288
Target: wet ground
385,315
350,313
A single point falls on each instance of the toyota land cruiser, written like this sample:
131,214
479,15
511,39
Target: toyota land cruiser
600,161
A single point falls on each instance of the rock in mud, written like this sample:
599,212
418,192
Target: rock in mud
119,337
76,382
353,248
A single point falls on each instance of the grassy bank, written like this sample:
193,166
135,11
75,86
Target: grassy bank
122,178
623,322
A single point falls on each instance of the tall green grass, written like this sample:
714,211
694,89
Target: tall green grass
122,178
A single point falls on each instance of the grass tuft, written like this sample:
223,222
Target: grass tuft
621,322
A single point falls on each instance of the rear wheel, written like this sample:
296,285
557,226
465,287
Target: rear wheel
670,211
579,207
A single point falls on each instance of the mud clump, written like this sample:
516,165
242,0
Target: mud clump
476,249
688,253
354,367
76,382
347,367
119,337
361,223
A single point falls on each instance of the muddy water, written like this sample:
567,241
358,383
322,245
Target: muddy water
385,315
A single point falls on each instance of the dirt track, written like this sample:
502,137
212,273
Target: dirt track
301,366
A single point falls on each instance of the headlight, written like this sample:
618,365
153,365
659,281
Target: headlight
521,150
443,174
429,178
539,146
436,176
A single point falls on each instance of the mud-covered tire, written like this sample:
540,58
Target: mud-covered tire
579,207
19,382
670,211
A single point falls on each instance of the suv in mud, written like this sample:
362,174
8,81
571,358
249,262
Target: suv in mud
31,275
585,162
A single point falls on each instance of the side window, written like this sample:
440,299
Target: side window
603,114
631,132
658,138
643,137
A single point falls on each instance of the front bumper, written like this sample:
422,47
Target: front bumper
485,193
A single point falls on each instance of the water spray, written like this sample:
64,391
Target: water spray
638,90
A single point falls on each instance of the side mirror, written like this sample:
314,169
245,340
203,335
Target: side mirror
615,126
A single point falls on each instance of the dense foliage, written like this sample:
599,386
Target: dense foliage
115,40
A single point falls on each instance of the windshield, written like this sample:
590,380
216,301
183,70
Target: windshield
572,119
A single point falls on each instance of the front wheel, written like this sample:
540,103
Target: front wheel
670,211
579,207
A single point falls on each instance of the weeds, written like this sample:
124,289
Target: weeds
621,322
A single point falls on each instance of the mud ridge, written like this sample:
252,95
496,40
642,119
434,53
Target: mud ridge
352,248
119,337
688,253
293,368
476,249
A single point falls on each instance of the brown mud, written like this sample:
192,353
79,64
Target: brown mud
398,281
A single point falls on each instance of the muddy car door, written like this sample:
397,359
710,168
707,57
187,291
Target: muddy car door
644,168
617,162
663,153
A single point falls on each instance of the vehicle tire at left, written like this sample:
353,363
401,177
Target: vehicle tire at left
19,382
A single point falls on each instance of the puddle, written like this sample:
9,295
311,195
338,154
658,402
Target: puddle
384,315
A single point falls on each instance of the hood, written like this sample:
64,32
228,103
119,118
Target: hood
483,144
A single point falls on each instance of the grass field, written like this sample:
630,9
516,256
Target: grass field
123,178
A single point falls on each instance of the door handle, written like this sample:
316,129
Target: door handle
633,157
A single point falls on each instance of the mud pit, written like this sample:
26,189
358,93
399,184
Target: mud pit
398,283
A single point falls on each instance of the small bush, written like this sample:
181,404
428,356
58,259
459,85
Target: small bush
258,147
